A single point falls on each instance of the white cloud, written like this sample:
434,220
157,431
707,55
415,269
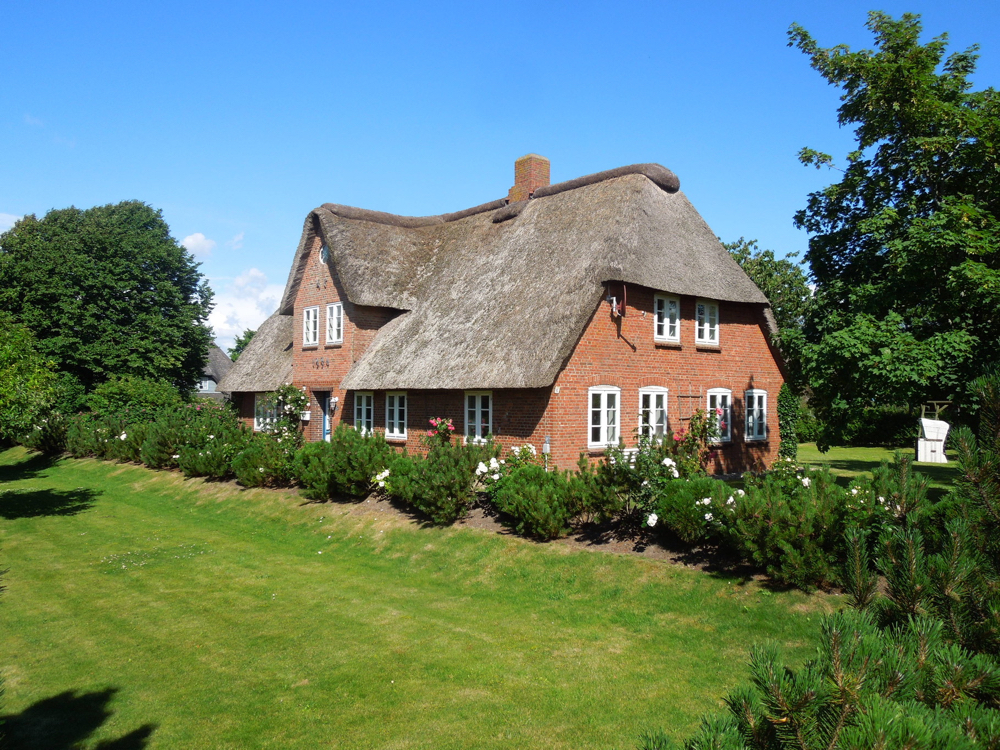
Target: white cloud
199,244
236,243
7,221
29,120
244,303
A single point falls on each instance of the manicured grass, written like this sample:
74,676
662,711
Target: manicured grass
170,613
852,462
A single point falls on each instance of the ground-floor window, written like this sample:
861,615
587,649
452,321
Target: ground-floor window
478,415
756,401
720,403
395,415
265,412
364,411
653,411
604,404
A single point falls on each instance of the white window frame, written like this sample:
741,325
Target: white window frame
474,423
604,419
756,417
707,328
310,326
335,323
649,427
263,418
364,401
395,415
666,318
721,398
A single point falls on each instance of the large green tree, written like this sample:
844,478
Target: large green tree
28,384
107,291
905,248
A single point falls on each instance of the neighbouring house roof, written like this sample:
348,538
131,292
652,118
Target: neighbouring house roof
498,295
218,365
266,363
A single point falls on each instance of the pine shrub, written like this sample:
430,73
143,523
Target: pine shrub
542,503
313,469
264,462
441,485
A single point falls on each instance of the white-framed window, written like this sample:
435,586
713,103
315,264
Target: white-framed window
335,323
720,403
756,406
653,411
395,415
478,415
605,402
264,414
364,412
706,322
310,326
666,318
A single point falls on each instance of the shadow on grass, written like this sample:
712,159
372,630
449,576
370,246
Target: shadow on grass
30,468
16,504
64,721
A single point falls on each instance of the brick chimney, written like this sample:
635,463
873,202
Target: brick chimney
530,173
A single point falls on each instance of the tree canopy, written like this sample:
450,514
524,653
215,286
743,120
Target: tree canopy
241,343
905,248
107,291
28,384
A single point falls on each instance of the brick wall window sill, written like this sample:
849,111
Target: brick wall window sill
708,347
668,345
338,345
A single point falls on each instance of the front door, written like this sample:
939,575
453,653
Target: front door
324,405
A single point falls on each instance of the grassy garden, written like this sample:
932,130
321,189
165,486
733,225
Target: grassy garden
144,609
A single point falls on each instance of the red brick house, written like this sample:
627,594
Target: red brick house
569,316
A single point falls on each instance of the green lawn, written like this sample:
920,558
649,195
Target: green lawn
146,610
851,462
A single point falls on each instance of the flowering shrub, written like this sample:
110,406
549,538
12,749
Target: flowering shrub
441,431
691,509
48,435
288,403
264,462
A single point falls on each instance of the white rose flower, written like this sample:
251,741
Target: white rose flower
709,517
496,477
707,501
122,436
731,500
741,493
806,482
668,461
494,464
652,519
674,472
854,490
481,469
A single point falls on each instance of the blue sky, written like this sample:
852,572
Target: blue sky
237,119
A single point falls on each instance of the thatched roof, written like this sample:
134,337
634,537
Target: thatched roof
266,363
218,363
498,295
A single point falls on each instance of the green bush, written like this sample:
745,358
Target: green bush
680,507
313,469
881,426
264,462
542,503
355,460
49,436
788,417
441,486
132,399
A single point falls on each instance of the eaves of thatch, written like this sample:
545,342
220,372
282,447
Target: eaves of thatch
498,295
266,363
218,364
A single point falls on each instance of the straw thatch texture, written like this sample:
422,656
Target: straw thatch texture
218,365
266,363
497,296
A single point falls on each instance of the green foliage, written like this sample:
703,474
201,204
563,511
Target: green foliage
287,402
48,435
680,506
212,440
542,503
345,466
788,417
28,384
264,462
904,249
241,343
440,485
108,291
133,399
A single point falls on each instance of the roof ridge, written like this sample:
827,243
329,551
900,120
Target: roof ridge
659,175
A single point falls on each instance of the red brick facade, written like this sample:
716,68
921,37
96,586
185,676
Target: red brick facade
612,351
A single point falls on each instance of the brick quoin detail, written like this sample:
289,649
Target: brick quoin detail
612,350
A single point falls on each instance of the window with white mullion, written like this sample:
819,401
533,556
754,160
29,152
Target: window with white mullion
478,416
707,322
265,412
653,412
310,326
720,403
666,318
364,411
604,405
335,323
395,415
756,406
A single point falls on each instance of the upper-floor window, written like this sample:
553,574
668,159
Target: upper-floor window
653,412
720,403
265,412
707,322
478,415
310,326
666,318
756,405
324,253
335,323
395,415
604,406
364,412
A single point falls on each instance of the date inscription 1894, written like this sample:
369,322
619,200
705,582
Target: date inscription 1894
321,363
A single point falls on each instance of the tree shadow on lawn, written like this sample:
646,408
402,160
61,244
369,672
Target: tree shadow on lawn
30,468
15,504
64,721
